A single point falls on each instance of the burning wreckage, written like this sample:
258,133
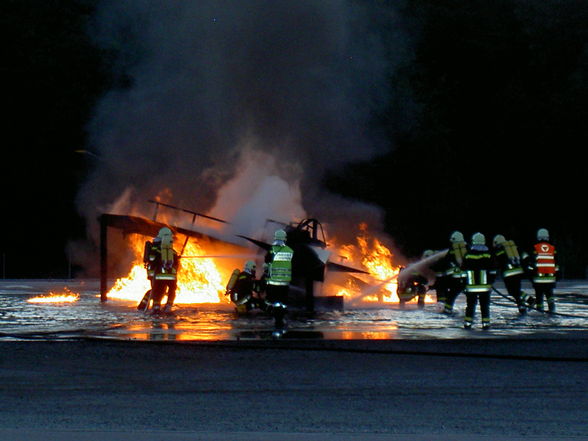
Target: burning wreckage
363,273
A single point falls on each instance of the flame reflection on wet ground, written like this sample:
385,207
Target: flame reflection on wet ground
119,319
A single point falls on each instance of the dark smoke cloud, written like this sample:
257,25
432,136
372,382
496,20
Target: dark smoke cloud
212,82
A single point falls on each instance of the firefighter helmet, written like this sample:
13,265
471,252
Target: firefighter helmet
478,239
498,240
456,236
280,235
542,234
164,233
428,253
250,267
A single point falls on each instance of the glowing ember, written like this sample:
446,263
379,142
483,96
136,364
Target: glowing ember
199,280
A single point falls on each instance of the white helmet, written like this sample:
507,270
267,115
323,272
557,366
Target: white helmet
250,267
280,235
542,234
498,240
478,239
456,236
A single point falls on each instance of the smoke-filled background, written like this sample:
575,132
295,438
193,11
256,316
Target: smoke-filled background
420,117
238,109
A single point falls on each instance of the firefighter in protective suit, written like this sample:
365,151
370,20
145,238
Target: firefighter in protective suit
509,264
478,267
279,274
454,276
150,249
244,289
544,270
413,285
165,263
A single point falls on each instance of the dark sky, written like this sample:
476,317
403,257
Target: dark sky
425,115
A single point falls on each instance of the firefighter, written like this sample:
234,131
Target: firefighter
244,288
508,261
478,267
413,285
544,270
455,277
165,263
278,275
151,248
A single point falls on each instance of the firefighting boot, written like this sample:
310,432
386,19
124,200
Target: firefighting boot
485,323
551,305
156,309
279,311
467,323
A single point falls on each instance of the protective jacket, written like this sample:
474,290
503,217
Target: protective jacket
163,263
508,259
243,288
544,266
479,269
454,260
279,265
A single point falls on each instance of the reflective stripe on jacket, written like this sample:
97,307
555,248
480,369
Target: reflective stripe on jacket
280,265
479,269
545,266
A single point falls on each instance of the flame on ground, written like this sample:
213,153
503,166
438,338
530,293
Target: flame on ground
67,297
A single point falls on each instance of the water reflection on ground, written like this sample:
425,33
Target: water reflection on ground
88,317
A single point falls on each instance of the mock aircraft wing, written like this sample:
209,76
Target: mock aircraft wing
264,245
140,225
332,266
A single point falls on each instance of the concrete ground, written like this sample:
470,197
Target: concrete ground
469,389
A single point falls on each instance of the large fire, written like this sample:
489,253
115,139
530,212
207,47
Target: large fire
369,253
203,280
200,280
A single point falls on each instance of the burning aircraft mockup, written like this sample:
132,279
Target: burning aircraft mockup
306,238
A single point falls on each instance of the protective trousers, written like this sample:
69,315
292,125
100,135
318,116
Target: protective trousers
160,289
513,287
454,287
544,290
472,300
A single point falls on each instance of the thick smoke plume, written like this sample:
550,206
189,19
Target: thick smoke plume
238,108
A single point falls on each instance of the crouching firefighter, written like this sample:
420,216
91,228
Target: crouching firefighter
278,276
479,269
244,289
414,284
508,262
165,268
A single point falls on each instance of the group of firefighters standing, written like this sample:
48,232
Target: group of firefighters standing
473,270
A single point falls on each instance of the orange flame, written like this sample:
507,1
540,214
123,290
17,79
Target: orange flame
199,279
67,297
371,254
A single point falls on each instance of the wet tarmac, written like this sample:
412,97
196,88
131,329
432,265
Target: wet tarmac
120,320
